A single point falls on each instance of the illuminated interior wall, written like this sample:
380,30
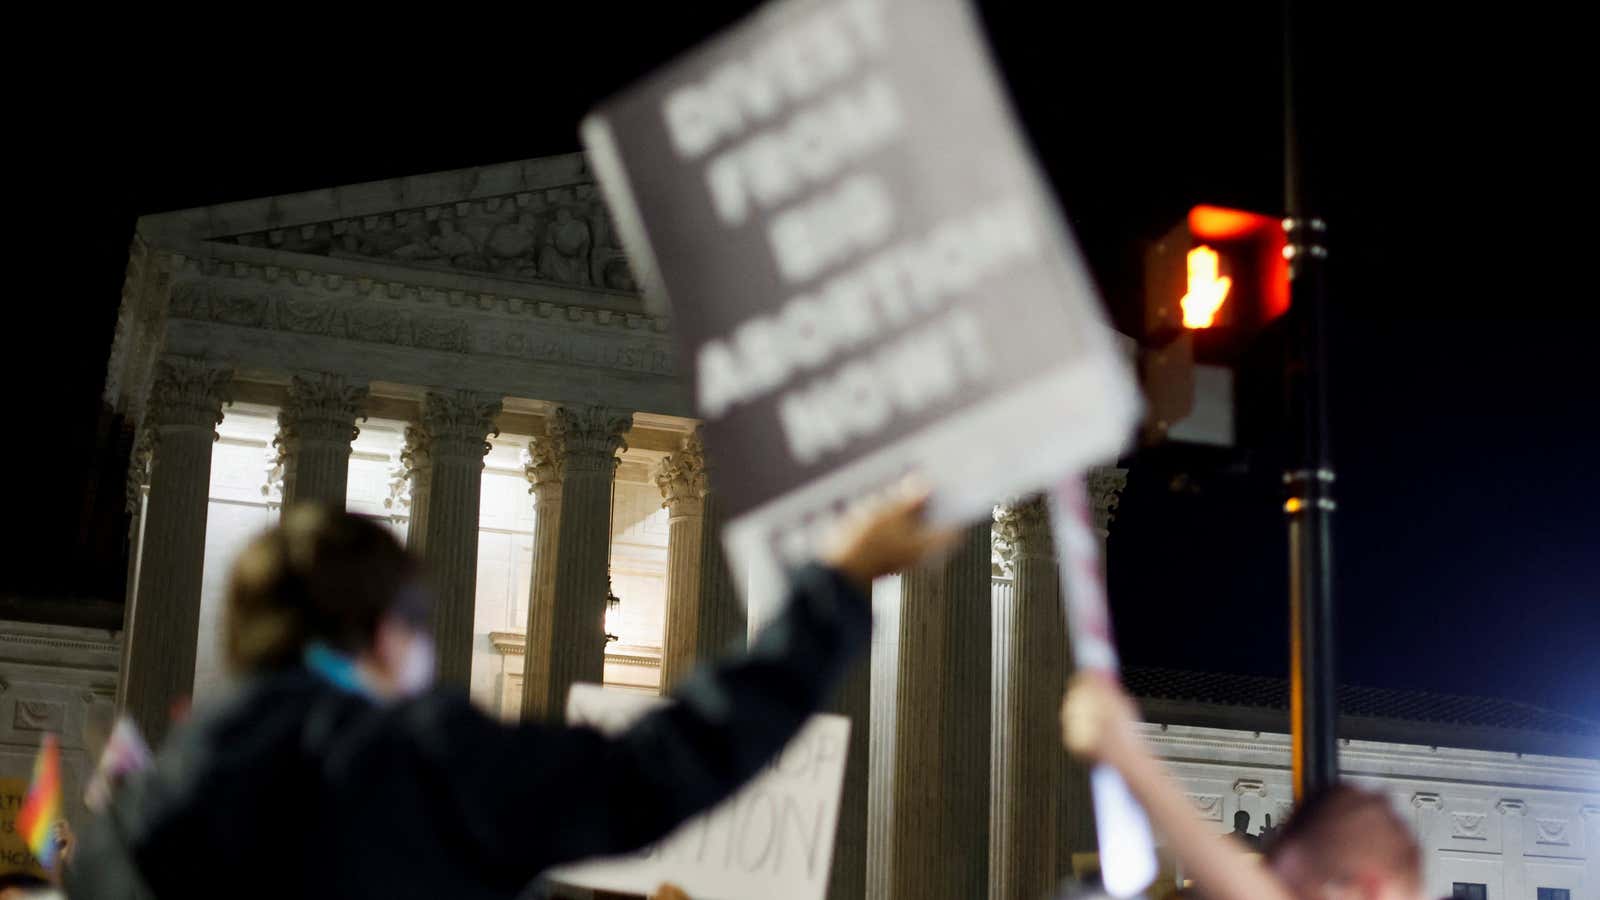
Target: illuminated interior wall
246,495
242,505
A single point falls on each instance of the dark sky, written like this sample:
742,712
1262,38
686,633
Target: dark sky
1464,374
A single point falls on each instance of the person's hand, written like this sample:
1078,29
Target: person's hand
1097,718
66,842
669,892
889,537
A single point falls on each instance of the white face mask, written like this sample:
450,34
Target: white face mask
416,669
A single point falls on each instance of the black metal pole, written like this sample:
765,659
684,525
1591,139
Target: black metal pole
1313,701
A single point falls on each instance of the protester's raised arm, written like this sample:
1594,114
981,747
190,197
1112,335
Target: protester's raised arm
1098,722
607,795
732,718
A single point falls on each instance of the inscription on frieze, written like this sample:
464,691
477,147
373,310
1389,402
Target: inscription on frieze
384,322
652,357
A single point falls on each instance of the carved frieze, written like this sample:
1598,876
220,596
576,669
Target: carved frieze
560,234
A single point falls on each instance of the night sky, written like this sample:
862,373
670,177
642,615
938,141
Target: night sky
1467,544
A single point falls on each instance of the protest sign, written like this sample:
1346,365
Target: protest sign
772,840
14,853
867,272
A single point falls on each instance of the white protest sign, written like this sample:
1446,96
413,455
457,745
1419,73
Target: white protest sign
773,840
867,272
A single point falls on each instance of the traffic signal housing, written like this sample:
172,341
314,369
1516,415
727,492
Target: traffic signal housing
1214,284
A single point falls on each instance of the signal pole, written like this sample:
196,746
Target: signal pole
1313,700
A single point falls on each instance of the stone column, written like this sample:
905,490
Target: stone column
184,410
416,461
853,700
1590,823
137,491
1030,668
543,468
1514,865
704,615
940,846
723,623
566,618
1428,825
682,480
455,430
315,429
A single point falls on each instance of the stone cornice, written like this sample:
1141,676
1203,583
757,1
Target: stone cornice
553,342
1394,759
28,644
510,323
373,198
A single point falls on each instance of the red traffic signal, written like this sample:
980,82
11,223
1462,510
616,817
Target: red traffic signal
1212,284
1221,271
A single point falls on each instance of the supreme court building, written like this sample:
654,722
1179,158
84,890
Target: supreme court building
465,356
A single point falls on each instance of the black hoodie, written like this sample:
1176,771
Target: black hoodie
296,788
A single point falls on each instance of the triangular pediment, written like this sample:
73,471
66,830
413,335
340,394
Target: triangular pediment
535,221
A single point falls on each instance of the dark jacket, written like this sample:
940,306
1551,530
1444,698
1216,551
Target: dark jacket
294,788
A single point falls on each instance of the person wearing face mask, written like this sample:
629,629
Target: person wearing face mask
336,770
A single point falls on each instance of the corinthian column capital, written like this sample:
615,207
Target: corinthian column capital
144,450
588,438
322,409
416,454
543,464
458,423
188,393
1105,484
682,477
1022,529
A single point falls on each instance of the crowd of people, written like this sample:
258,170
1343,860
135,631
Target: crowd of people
337,769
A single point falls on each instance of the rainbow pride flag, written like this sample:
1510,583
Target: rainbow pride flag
41,809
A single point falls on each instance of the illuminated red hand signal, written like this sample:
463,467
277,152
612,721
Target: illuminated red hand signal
1207,290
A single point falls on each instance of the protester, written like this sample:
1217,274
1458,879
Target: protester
66,841
334,771
1345,843
20,885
